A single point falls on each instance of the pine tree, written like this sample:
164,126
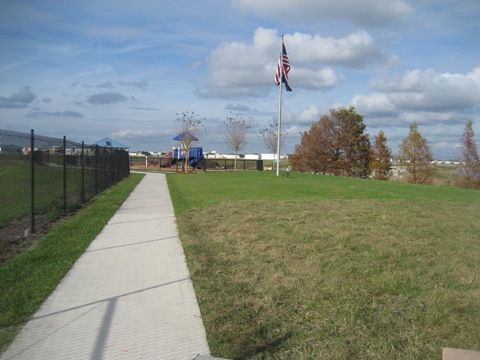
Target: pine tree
380,158
469,169
416,157
353,142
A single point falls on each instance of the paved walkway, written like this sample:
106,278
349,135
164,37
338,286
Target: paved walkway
129,296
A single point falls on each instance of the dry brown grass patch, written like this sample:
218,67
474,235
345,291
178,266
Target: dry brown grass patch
336,279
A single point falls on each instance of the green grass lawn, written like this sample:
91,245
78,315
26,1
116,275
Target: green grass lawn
16,199
206,189
310,267
27,279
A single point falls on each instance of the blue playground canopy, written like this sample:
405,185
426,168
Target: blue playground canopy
107,142
184,135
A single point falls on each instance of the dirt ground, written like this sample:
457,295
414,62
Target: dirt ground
16,237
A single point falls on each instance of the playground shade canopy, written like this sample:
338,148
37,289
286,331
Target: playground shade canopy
107,142
184,135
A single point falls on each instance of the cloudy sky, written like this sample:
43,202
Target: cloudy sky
123,69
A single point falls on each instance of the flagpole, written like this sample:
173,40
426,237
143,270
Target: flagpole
279,129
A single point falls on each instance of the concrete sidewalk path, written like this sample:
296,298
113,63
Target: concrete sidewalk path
129,296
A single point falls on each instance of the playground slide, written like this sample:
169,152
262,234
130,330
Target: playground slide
195,161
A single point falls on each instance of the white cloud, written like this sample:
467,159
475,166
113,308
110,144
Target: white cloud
371,12
423,91
376,104
239,69
137,133
309,115
355,50
310,79
432,118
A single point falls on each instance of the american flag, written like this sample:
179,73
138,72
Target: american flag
283,60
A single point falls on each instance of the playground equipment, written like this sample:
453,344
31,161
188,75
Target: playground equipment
185,152
195,156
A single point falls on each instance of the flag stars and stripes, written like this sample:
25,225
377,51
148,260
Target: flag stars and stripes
283,62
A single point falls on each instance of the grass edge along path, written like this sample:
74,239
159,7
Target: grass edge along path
330,267
29,278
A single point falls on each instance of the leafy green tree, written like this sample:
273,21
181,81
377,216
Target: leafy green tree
469,169
416,157
380,157
336,144
236,133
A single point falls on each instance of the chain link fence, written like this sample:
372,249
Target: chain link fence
42,178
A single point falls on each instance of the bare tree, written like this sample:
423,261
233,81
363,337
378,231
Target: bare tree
470,163
380,157
189,127
270,138
416,157
236,133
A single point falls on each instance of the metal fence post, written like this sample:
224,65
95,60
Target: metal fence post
64,174
32,181
105,179
82,161
96,169
112,166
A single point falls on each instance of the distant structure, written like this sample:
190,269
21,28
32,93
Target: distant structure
107,142
11,149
